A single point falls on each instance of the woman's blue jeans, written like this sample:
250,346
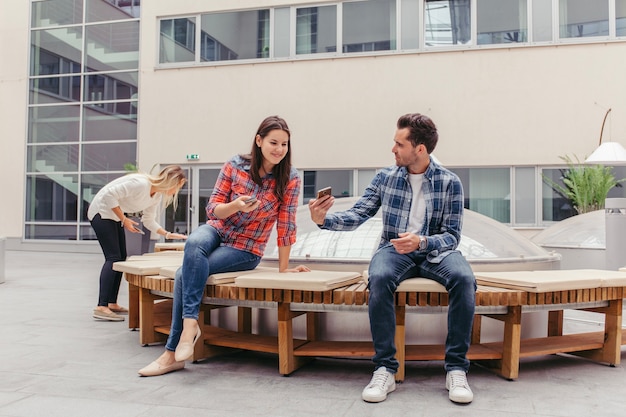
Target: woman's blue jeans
203,256
387,269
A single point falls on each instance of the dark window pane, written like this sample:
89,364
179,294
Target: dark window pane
53,124
108,156
51,198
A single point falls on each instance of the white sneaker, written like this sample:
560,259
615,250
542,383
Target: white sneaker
383,382
459,389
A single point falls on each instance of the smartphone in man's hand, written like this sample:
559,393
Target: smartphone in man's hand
324,191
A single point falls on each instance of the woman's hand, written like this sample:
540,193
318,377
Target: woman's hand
131,225
175,236
246,203
299,268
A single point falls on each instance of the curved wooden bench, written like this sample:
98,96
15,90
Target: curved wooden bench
155,286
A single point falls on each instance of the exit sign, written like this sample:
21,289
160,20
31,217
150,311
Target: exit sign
193,157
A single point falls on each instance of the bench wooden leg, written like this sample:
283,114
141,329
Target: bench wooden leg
400,341
555,323
287,361
147,334
612,349
511,343
133,306
244,319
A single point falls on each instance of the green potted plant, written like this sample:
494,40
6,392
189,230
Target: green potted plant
586,186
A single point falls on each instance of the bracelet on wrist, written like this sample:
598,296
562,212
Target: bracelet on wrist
167,234
123,221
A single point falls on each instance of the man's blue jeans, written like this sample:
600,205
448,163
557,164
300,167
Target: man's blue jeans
203,256
387,269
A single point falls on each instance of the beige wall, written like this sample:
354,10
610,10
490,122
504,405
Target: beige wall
494,107
13,100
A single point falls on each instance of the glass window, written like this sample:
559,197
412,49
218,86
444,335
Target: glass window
50,54
501,21
235,35
50,232
51,197
53,124
52,158
409,24
487,191
555,206
101,125
542,20
112,46
108,156
56,12
525,200
365,177
369,26
54,90
620,17
583,18
341,181
90,185
447,22
99,10
281,32
177,40
117,86
316,30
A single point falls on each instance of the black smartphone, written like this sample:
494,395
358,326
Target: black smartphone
324,191
251,200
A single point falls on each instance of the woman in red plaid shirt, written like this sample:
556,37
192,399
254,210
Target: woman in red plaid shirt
252,193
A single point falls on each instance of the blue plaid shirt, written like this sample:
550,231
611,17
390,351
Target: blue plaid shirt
390,189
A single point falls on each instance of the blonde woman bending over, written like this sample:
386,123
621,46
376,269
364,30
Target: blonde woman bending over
128,194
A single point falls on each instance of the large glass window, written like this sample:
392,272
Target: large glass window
502,21
583,18
487,191
316,30
369,26
447,22
82,111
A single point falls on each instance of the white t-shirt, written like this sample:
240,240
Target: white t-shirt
132,194
418,204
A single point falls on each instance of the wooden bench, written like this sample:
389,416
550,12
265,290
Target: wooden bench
153,287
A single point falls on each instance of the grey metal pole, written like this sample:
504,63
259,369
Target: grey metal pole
615,227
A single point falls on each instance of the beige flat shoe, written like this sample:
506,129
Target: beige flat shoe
184,350
103,315
119,310
154,369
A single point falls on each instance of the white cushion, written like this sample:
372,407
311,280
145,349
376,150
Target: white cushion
213,279
557,280
307,281
148,265
420,285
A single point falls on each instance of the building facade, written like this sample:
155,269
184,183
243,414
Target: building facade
93,88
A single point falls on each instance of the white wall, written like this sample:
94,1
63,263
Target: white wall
13,100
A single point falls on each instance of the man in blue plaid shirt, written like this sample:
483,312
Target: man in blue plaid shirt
422,211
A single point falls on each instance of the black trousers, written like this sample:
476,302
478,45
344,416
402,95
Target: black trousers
112,240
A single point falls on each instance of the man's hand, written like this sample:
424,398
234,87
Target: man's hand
406,242
319,207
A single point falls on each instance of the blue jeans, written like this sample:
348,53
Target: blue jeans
203,256
387,269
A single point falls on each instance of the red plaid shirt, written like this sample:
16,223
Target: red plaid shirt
250,231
